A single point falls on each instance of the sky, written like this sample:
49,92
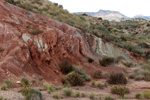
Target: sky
129,8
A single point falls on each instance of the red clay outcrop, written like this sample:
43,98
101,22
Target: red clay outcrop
22,53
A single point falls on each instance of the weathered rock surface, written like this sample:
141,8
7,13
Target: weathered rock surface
22,53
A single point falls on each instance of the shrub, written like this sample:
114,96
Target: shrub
120,90
93,83
74,79
64,81
49,87
138,96
67,92
97,75
56,96
8,84
35,31
142,73
90,60
108,98
81,71
107,61
92,96
2,98
105,75
100,85
117,78
65,67
77,95
146,94
146,67
139,77
25,82
3,87
127,64
31,94
10,1
82,94
99,18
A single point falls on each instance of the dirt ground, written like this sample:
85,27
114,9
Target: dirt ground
134,86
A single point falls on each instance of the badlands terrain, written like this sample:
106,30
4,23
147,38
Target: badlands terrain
47,53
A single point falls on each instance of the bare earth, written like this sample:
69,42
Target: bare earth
134,86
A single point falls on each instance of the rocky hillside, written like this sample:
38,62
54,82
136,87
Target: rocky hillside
34,46
107,15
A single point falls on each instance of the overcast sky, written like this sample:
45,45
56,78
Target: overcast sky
129,8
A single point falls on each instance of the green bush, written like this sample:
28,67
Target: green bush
138,96
108,98
142,73
100,85
107,61
82,94
82,72
92,96
146,94
97,75
4,87
146,67
49,87
65,67
67,92
133,48
2,98
56,96
127,64
93,83
8,84
25,82
31,94
117,78
120,90
75,79
77,95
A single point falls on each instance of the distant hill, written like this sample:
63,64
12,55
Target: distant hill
107,15
142,16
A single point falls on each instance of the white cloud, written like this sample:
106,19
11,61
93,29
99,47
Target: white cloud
127,7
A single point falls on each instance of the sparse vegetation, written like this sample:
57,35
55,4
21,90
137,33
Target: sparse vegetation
66,67
8,84
3,87
25,82
97,75
90,60
49,87
142,73
2,98
146,94
107,61
92,96
100,85
120,90
31,94
67,92
75,79
56,96
108,98
117,78
35,31
77,95
93,83
138,96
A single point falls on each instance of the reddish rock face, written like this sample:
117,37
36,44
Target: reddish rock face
22,53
